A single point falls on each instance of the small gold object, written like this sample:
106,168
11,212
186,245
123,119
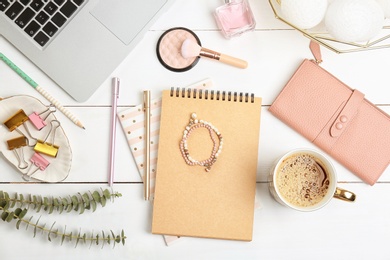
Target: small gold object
16,145
16,120
46,148
16,142
344,195
50,149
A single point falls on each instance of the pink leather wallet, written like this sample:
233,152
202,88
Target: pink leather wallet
337,119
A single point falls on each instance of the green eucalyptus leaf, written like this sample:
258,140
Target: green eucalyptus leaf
17,212
18,223
107,194
10,216
39,207
103,238
75,202
103,201
2,202
64,202
50,209
69,208
123,237
78,238
91,238
86,200
46,203
50,232
28,222
13,201
6,206
63,236
21,200
56,202
94,206
23,213
81,208
96,196
4,215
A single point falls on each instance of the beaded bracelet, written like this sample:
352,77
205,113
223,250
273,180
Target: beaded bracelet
194,124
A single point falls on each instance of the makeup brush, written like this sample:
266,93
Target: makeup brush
191,49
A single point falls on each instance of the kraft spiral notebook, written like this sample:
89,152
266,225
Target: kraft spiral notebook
206,178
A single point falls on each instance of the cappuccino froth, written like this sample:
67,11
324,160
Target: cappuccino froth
302,180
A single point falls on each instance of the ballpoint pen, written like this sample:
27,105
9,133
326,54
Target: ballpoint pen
115,95
43,92
147,145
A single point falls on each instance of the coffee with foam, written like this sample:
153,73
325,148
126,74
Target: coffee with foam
302,180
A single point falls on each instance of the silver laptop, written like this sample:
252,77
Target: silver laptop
78,43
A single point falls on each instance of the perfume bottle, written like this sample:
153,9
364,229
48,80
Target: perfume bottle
234,18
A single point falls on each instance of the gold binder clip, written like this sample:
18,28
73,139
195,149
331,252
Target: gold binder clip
17,144
16,120
50,149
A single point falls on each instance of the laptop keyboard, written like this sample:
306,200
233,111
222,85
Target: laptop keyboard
40,19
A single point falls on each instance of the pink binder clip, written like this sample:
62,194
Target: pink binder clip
37,120
40,163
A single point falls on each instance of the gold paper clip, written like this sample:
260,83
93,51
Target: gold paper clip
17,144
50,149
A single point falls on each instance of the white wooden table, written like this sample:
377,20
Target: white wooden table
341,230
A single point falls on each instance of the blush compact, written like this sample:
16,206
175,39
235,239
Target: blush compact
169,49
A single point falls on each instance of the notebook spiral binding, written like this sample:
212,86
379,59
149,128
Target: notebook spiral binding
212,95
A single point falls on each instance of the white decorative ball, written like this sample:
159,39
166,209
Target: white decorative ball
385,4
354,20
305,14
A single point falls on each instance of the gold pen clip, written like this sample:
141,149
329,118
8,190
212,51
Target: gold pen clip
50,149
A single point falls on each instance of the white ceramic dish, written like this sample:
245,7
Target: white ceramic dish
60,165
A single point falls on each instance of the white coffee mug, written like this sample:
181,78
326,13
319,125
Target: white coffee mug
305,180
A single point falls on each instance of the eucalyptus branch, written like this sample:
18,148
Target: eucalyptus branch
52,232
78,202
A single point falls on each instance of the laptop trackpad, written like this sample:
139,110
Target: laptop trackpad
126,18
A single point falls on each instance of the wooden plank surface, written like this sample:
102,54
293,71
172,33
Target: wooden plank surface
341,230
